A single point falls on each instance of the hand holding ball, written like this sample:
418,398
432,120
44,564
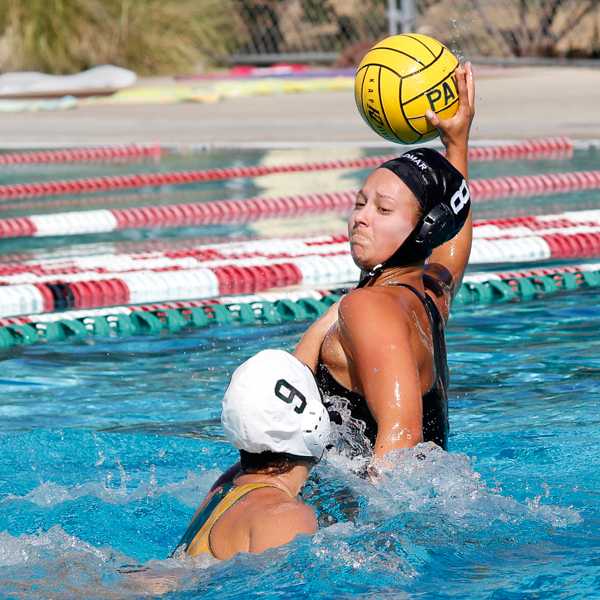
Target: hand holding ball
399,79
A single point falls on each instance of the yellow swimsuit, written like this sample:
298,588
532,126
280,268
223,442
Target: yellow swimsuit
196,539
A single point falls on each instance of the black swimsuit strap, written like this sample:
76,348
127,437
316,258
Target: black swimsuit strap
425,300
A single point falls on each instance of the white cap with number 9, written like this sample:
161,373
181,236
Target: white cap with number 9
273,404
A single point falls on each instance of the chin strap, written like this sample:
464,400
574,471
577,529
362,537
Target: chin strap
366,276
409,252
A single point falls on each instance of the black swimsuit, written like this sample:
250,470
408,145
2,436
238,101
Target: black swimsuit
435,401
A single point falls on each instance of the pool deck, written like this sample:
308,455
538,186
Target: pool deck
512,103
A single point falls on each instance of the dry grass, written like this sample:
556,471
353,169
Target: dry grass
515,27
173,36
149,36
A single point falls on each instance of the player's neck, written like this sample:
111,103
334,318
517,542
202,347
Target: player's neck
408,275
290,482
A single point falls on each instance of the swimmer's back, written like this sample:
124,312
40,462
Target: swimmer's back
260,517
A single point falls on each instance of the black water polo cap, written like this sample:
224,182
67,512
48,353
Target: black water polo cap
443,195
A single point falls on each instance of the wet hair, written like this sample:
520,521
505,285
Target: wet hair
272,463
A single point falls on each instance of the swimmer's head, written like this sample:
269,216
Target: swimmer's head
406,208
272,410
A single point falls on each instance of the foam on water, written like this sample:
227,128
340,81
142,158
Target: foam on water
427,479
381,535
55,564
188,491
65,566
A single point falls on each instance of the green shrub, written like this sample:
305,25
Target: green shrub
148,36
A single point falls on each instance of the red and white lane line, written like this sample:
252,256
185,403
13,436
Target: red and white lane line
228,211
484,251
271,296
557,147
140,180
170,216
156,286
526,225
152,248
327,263
495,240
83,154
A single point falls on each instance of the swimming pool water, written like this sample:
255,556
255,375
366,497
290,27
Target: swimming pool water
107,446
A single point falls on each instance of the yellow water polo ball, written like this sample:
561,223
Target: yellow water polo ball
399,79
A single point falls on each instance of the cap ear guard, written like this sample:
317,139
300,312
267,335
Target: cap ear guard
445,219
438,226
316,429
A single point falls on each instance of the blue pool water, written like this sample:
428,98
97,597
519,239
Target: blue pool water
107,446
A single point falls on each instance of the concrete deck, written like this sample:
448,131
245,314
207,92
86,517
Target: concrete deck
511,104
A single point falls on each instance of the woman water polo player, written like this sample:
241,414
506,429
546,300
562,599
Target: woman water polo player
272,412
379,354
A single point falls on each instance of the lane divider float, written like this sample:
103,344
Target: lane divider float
142,180
172,317
251,209
321,261
83,154
572,234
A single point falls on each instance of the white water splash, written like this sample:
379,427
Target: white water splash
54,564
347,438
189,491
427,480
338,544
32,548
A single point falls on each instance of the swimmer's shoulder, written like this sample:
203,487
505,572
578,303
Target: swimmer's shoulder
265,518
280,523
370,317
376,305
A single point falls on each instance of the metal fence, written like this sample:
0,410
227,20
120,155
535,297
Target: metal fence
318,30
339,31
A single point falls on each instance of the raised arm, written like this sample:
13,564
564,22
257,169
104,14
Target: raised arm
448,262
383,367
